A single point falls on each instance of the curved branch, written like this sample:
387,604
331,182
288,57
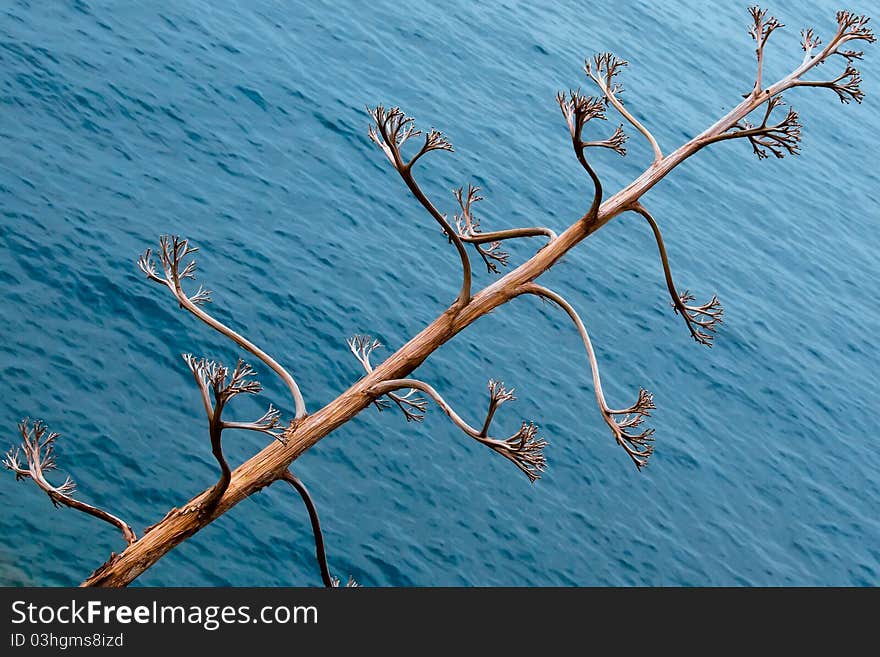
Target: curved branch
393,128
637,445
604,67
523,448
172,251
39,453
701,320
470,231
578,110
211,377
320,551
412,406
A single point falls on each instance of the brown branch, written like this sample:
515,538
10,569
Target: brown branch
778,139
410,404
392,130
760,30
269,465
602,70
623,423
320,551
523,448
214,380
38,449
701,320
470,231
578,110
172,252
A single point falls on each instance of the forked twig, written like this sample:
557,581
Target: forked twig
218,386
172,252
410,404
470,231
602,70
38,449
391,131
701,320
524,449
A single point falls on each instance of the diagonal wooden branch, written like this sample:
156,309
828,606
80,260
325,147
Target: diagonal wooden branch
270,464
38,449
701,320
523,448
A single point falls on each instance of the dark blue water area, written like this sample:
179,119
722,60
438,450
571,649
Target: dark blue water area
241,125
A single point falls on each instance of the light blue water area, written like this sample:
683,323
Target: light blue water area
241,125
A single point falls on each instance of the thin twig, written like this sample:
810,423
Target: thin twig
392,129
524,449
637,445
701,320
172,251
38,449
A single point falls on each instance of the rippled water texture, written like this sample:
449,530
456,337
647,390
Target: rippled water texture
242,126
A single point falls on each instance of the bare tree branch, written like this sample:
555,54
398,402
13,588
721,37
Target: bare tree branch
760,30
701,320
320,550
624,423
578,110
524,449
602,70
215,381
778,139
38,449
392,129
271,463
410,404
172,252
470,231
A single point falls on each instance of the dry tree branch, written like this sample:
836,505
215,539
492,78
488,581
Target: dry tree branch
578,110
701,320
218,387
172,252
850,27
320,550
778,139
602,70
38,449
624,422
524,449
470,231
392,130
410,404
760,30
270,464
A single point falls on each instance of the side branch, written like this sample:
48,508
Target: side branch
702,320
602,70
470,231
523,448
624,422
320,551
172,251
392,129
38,449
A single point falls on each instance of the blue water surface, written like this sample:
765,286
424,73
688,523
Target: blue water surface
241,125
